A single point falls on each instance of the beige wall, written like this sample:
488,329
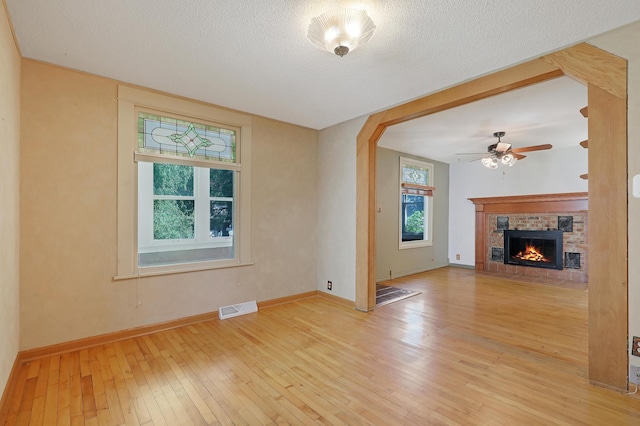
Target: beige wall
9,198
624,43
388,256
337,208
68,209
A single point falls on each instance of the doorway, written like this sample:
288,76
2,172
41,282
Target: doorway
605,76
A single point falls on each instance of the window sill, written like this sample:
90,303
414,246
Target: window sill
178,269
414,244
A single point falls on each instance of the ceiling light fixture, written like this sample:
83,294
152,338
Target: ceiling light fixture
499,151
341,31
490,162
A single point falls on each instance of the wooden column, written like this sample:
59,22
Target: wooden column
481,235
366,145
608,306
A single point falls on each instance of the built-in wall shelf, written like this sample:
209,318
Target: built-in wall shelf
415,189
585,112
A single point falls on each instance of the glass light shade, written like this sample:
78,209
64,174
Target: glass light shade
340,31
507,159
490,162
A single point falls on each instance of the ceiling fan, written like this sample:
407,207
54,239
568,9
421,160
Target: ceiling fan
503,152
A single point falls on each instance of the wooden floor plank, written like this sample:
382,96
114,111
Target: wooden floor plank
469,349
51,405
16,398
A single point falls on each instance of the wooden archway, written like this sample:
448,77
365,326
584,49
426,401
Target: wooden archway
606,78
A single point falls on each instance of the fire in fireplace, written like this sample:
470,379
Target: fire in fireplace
541,249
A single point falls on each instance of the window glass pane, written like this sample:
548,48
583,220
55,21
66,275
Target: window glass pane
172,179
221,183
185,214
170,136
415,174
412,217
221,219
173,219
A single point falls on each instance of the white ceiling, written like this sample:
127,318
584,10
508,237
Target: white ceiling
253,55
546,113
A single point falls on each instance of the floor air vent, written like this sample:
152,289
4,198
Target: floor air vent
235,310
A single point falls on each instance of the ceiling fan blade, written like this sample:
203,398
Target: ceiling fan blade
532,148
518,156
475,159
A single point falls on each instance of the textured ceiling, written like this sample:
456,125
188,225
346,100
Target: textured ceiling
253,55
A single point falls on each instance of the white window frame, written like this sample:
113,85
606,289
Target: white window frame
202,199
130,100
428,206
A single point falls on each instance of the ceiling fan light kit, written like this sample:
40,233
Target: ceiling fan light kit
341,30
509,159
499,151
490,162
503,152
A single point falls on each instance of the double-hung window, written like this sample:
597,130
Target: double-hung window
189,183
185,211
416,208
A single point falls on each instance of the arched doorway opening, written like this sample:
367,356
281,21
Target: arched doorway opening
606,78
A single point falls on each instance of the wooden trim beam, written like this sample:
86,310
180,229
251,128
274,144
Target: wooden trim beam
535,198
519,76
590,65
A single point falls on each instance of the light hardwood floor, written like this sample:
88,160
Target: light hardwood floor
470,349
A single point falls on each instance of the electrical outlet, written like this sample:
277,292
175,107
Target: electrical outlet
634,374
457,257
329,285
635,346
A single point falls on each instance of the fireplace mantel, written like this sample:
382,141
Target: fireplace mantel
537,203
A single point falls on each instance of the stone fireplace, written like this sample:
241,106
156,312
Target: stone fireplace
550,234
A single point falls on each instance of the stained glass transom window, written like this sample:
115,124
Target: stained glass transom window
170,136
415,174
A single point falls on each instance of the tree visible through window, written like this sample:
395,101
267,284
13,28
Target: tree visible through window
414,224
173,218
221,204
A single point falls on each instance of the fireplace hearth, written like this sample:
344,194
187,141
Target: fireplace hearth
540,249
